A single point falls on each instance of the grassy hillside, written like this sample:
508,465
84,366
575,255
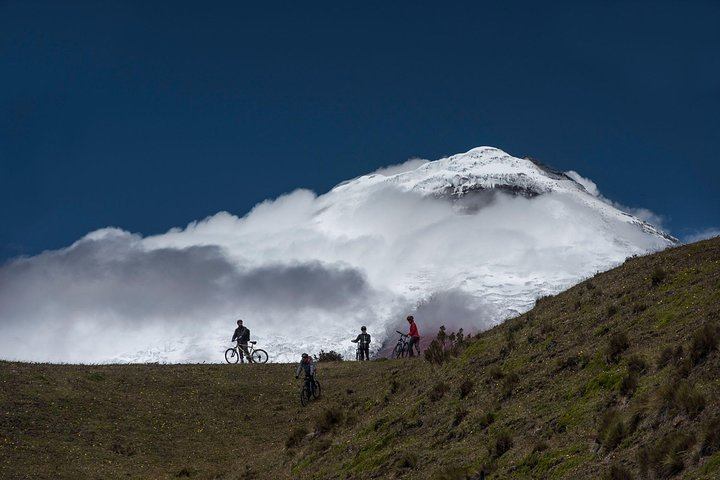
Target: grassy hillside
615,378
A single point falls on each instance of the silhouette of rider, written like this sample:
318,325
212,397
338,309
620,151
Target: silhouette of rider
306,364
242,335
363,341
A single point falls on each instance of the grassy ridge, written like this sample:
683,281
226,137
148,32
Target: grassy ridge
615,378
158,421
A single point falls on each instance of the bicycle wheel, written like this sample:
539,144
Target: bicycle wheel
231,355
259,356
316,390
304,396
397,352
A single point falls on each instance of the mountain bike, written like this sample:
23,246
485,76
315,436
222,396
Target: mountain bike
309,390
255,355
401,348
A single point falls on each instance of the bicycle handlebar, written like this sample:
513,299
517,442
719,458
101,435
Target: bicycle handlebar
401,333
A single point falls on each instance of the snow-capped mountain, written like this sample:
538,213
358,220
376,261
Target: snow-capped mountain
466,241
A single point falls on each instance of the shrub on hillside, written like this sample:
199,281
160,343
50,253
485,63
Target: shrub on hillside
407,461
629,384
617,344
330,418
496,372
508,385
666,458
438,391
639,307
540,446
297,436
670,355
466,388
546,326
485,420
445,346
637,364
435,353
574,362
658,276
503,443
510,343
460,415
711,437
679,396
394,386
331,356
611,429
617,472
704,342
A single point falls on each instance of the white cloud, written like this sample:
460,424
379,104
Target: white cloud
641,213
304,272
411,164
702,235
588,184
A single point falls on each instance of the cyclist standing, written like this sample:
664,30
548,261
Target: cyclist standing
363,341
242,335
414,336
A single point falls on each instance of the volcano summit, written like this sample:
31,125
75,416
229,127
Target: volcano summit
465,241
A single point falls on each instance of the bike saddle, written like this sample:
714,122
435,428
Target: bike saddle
252,342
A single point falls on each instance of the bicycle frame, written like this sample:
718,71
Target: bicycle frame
253,355
241,352
402,344
309,390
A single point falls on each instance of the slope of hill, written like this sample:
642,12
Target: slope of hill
615,378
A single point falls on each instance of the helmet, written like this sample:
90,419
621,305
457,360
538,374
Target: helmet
410,317
363,328
304,355
239,321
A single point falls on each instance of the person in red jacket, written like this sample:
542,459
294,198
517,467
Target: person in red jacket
414,336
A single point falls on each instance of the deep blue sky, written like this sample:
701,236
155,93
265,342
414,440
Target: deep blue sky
149,115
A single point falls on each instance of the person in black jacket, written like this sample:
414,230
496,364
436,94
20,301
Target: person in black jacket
363,341
242,335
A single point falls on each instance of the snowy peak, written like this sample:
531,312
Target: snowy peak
482,168
472,179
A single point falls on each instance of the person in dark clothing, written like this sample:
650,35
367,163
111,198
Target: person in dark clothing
242,335
306,364
414,336
363,341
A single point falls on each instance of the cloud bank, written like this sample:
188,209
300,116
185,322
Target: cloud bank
304,272
702,235
641,213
